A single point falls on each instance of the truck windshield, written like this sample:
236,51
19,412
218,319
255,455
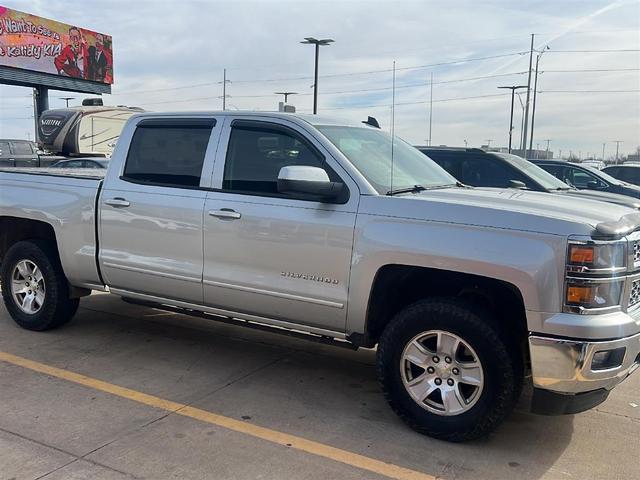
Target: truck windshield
369,150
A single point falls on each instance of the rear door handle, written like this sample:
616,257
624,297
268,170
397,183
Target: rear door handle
225,213
117,202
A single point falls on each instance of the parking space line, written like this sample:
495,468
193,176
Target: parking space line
291,441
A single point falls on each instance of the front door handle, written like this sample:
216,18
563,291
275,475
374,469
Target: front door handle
117,202
225,213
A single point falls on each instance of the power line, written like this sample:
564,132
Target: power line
593,70
589,91
369,72
597,51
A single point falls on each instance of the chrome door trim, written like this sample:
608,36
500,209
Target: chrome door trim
317,301
152,272
230,314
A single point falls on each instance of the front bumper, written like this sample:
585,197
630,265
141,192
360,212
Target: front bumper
566,366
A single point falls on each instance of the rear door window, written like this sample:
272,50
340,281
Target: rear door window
21,148
168,152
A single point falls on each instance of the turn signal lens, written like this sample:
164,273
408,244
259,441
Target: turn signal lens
580,295
595,295
581,255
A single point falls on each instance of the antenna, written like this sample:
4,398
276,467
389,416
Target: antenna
393,119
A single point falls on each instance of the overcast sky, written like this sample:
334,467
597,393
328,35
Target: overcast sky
169,55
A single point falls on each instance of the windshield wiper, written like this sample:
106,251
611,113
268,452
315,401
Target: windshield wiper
414,189
422,188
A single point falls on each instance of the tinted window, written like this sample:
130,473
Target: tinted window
257,153
450,162
555,170
168,152
487,171
73,164
21,148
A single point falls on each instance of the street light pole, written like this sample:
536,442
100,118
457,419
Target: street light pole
318,44
286,95
535,91
66,99
513,94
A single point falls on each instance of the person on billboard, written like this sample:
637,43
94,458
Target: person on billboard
99,60
73,59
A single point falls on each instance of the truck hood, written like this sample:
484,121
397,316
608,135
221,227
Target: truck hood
509,209
623,200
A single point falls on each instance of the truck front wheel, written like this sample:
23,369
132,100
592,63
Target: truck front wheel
446,371
34,287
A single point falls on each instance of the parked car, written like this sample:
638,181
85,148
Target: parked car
478,168
18,153
584,177
308,225
81,163
624,173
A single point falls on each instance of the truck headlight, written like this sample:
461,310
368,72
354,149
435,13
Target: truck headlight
592,256
595,275
593,294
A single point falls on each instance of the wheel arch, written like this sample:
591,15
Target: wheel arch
396,286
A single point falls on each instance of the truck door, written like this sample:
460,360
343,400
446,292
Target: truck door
267,254
151,210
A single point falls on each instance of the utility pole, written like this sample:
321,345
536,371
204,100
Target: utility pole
513,92
489,143
535,94
522,120
318,44
224,89
560,154
617,142
526,112
548,140
430,106
603,144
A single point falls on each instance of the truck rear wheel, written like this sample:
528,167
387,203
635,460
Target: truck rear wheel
34,288
446,371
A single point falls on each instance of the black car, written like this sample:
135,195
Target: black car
479,168
588,178
82,163
624,173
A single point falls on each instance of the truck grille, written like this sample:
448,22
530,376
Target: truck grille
636,251
634,297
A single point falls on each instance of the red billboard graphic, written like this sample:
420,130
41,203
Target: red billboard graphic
39,44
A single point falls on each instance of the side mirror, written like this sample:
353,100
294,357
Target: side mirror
307,182
517,184
592,185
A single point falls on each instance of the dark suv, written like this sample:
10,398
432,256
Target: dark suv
479,168
18,153
589,178
624,173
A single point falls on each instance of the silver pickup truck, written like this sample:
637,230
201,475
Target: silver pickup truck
337,233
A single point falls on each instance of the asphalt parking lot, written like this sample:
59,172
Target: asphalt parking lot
130,392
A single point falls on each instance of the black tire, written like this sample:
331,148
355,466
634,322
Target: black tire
501,362
57,308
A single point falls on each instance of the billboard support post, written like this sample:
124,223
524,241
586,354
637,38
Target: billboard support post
40,104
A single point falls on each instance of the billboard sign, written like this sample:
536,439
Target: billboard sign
37,44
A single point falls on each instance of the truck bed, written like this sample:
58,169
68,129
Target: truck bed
64,199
